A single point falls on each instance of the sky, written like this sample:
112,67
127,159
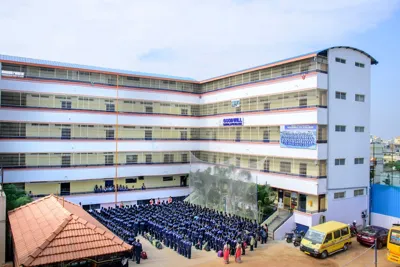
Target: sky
207,38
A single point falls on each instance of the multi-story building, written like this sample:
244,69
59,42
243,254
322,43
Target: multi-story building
300,124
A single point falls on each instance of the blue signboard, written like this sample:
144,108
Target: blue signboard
233,122
299,136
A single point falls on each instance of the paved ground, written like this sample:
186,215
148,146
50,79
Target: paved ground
273,254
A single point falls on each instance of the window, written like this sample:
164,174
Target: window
130,180
148,135
344,231
66,104
252,163
226,160
360,98
285,167
360,65
267,106
336,234
109,134
359,161
340,128
183,135
65,133
266,165
340,95
131,159
359,129
168,178
184,111
238,134
109,159
339,162
303,169
148,158
340,60
149,109
168,158
184,158
358,192
215,159
110,107
237,162
141,178
266,135
328,238
303,102
339,195
66,161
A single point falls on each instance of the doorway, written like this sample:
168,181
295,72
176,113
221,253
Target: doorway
108,183
302,202
183,180
65,189
321,203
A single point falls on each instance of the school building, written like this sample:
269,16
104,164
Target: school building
300,124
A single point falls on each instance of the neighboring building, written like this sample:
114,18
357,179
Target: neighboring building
2,226
376,156
51,231
59,124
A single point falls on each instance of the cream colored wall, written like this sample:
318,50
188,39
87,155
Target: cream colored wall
88,185
312,203
43,188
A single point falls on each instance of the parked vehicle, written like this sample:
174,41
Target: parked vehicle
298,236
368,235
325,239
289,237
393,244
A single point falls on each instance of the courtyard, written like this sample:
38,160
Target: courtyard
275,253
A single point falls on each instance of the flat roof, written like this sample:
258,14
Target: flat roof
328,226
40,62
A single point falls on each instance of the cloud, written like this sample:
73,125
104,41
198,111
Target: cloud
157,55
197,39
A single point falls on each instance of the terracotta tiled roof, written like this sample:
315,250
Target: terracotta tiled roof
51,230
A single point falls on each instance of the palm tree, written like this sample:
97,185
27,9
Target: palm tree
266,198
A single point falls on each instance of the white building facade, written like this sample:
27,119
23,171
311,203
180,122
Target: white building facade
59,124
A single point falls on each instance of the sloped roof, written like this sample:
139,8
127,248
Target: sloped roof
51,230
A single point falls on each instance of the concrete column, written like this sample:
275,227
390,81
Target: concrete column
2,226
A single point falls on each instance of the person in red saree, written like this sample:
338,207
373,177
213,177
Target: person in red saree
226,253
238,253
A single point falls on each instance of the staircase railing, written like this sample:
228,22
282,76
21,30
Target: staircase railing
271,218
281,223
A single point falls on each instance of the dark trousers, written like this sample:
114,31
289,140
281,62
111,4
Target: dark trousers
251,247
189,255
255,244
138,258
243,251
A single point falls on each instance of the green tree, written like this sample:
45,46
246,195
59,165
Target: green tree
266,198
15,197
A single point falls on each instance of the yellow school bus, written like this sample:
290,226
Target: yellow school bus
393,244
326,238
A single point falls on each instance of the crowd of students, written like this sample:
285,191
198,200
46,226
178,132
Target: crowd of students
181,225
111,188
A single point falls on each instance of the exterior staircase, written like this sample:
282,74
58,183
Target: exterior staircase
276,220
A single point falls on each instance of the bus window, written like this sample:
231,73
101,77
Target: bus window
395,237
336,234
328,238
345,231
